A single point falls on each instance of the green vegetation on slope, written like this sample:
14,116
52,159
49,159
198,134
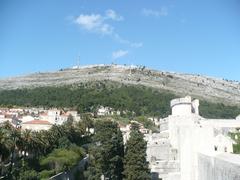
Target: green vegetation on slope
127,120
87,97
218,110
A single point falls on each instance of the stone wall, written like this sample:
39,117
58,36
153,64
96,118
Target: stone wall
219,167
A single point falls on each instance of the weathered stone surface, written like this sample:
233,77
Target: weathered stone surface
195,148
220,167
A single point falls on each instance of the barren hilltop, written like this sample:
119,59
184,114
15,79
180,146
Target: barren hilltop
203,87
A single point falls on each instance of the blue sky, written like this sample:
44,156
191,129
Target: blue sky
200,37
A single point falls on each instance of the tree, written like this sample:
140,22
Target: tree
55,144
6,144
135,164
28,175
26,141
60,159
87,121
106,155
70,119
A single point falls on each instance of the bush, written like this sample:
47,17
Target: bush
61,159
46,174
29,175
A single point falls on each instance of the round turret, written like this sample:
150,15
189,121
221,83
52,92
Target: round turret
181,106
238,118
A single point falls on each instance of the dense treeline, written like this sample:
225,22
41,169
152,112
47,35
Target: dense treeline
87,97
218,110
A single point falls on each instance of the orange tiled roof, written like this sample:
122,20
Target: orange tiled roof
43,122
44,114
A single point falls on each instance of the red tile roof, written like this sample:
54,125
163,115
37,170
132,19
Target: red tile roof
43,122
44,114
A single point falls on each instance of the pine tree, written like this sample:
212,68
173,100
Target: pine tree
135,164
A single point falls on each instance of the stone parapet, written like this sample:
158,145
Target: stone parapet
185,100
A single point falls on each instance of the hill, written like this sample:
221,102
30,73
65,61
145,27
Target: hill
202,87
135,90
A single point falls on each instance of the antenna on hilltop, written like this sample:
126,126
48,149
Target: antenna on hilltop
130,71
78,61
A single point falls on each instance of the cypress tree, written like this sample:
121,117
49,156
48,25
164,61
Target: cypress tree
106,156
135,164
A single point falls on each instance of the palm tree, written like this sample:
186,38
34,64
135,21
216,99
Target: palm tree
26,141
80,128
15,137
6,144
8,138
43,140
55,133
39,143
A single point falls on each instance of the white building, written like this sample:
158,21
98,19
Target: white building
36,118
6,117
184,135
125,132
155,120
103,111
58,117
53,116
27,118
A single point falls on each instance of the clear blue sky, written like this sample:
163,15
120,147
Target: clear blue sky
183,36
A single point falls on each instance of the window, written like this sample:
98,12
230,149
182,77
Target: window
225,149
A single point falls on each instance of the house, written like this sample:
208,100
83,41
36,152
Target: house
27,118
223,143
103,111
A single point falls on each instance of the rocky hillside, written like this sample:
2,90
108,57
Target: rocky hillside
211,89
